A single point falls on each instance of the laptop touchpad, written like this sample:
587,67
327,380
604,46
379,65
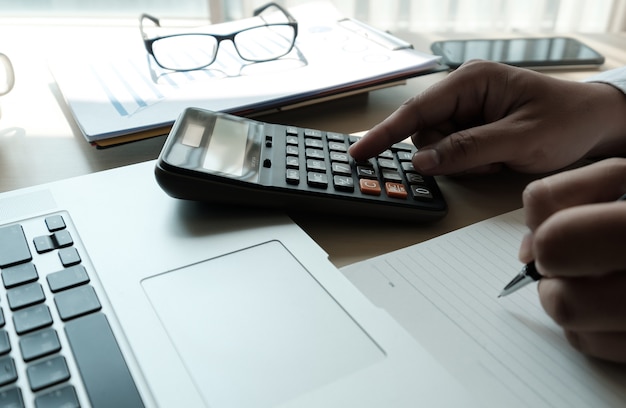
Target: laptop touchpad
254,328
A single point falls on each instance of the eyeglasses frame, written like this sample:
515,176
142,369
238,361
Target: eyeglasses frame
149,42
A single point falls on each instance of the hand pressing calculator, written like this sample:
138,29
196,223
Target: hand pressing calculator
220,158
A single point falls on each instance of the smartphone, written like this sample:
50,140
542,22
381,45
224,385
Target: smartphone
534,53
229,160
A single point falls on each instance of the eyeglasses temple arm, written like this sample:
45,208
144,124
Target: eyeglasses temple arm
143,17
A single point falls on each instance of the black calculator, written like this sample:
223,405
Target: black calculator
225,159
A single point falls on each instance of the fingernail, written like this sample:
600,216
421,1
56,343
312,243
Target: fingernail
525,251
426,159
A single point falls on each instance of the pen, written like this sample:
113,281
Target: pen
528,274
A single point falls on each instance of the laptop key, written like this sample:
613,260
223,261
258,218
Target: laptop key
13,246
47,373
100,362
19,274
8,373
63,397
11,398
32,318
39,344
25,295
5,343
76,302
67,278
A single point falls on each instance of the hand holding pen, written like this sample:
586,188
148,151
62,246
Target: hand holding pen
528,274
578,241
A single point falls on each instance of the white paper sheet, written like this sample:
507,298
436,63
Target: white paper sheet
123,91
445,293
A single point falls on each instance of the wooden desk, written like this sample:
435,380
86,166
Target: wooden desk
40,142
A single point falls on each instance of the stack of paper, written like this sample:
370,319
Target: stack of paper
125,96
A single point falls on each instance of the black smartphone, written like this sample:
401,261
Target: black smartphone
534,53
225,159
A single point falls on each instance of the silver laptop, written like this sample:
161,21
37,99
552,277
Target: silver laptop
116,295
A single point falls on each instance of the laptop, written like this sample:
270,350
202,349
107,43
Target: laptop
117,295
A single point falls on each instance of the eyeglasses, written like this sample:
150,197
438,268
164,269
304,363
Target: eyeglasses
191,51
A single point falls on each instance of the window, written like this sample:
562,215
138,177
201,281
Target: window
416,15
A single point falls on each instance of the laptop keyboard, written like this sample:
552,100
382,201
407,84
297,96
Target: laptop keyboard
57,348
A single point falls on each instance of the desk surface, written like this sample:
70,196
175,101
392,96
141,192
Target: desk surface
40,142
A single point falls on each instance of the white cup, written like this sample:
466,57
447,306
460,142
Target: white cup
7,76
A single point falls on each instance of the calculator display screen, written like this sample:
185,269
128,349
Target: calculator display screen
226,151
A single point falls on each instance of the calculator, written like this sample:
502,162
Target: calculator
224,159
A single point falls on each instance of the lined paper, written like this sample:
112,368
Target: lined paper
445,292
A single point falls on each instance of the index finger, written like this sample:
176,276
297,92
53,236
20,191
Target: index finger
598,182
435,105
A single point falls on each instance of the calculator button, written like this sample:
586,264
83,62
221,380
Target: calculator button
293,176
387,164
421,193
368,186
408,167
343,183
291,130
367,163
292,140
314,154
415,178
401,147
337,147
315,165
317,179
387,154
293,162
395,190
405,156
391,175
339,157
336,137
292,150
341,168
353,139
365,171
315,143
313,133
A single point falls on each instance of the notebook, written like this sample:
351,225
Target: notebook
117,295
508,351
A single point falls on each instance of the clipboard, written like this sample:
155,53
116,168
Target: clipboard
125,97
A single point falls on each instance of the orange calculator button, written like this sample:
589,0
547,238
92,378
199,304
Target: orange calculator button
369,186
396,190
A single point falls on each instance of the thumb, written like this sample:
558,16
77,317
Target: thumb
481,147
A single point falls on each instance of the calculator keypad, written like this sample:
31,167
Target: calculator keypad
321,160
